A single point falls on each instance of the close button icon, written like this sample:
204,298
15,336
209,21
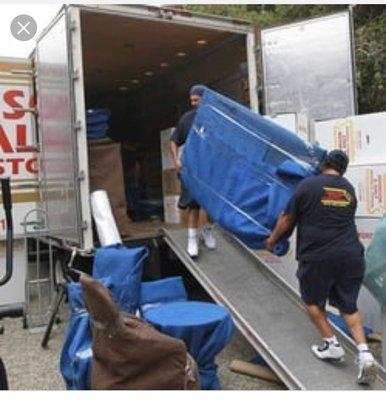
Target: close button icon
23,27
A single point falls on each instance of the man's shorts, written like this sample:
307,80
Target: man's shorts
186,200
338,281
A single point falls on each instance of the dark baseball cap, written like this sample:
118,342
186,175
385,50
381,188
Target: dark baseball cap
197,90
338,159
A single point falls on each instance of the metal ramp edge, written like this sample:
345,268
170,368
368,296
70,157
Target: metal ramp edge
212,282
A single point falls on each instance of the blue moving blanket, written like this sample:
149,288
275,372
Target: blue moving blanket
120,270
242,168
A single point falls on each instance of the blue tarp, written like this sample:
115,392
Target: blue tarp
242,168
119,269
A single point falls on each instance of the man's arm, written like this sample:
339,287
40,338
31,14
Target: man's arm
283,225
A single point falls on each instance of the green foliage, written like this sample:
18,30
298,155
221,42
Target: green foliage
369,33
370,57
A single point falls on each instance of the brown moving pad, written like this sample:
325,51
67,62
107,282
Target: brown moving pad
128,353
106,173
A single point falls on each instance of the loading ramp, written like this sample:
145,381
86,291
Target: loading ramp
269,314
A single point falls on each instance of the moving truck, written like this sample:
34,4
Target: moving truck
139,62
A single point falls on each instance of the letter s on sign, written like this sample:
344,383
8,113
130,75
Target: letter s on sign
10,99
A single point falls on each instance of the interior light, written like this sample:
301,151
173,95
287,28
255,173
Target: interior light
135,81
181,54
149,73
164,65
202,42
123,88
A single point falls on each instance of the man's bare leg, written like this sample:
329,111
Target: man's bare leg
319,319
193,215
354,323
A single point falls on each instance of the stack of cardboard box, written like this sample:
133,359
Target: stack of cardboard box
362,138
171,186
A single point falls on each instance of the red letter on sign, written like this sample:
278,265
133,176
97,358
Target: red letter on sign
15,164
4,142
31,165
21,140
9,98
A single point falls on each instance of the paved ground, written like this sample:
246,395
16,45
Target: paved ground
32,368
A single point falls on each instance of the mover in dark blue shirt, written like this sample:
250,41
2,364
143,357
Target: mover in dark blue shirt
186,201
330,256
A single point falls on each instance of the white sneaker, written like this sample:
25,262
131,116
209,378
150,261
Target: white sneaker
192,247
328,351
367,368
208,237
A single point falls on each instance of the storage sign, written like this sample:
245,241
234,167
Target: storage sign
18,151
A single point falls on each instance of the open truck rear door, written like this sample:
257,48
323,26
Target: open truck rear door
61,122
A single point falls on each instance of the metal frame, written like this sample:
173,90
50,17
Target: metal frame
252,68
168,15
353,58
79,125
36,319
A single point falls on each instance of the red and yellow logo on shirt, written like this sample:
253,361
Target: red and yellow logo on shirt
336,197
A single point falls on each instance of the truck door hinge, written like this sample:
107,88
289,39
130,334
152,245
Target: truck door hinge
77,125
73,25
75,74
84,225
81,176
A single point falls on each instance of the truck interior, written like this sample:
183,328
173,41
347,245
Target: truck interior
141,70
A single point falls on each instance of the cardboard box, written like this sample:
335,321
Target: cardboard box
172,214
369,182
171,185
297,123
362,137
366,228
166,157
